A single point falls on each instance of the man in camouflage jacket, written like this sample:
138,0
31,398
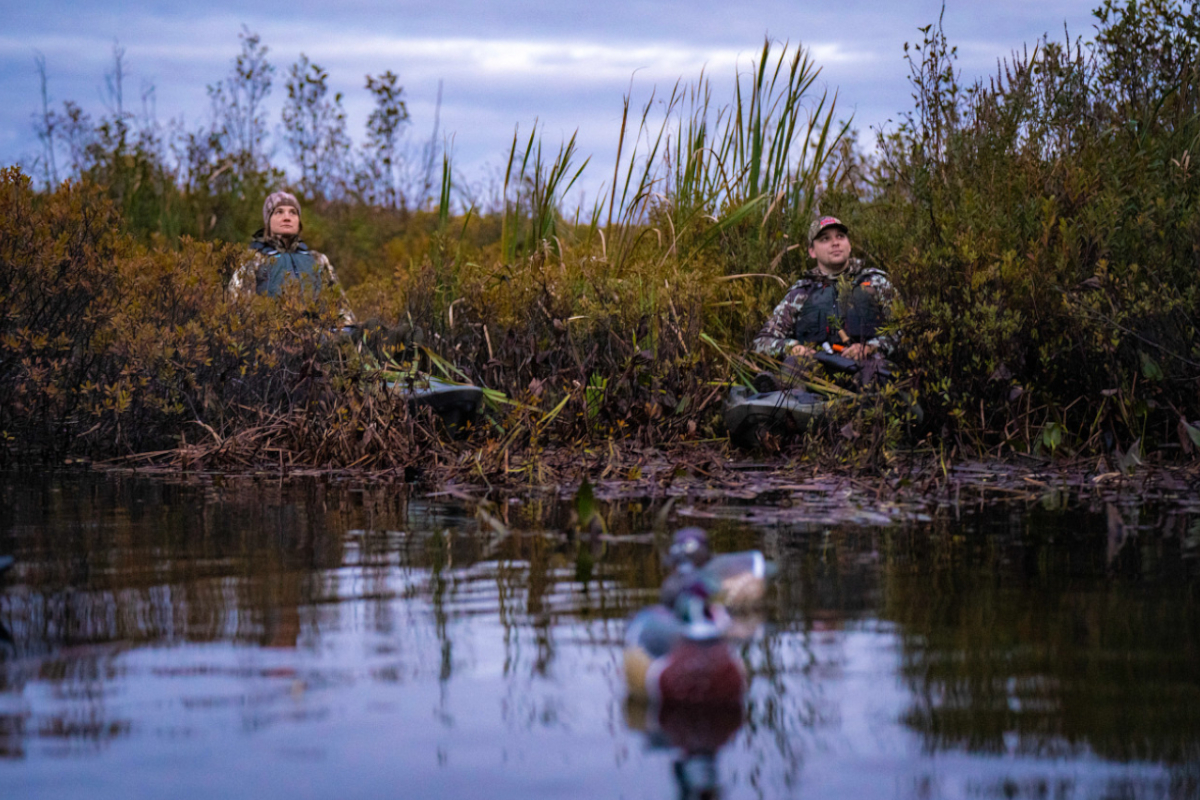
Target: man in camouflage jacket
280,257
837,306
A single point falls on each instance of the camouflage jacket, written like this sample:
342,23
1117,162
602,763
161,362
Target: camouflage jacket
778,334
252,276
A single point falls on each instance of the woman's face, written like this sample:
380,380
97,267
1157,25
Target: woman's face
285,221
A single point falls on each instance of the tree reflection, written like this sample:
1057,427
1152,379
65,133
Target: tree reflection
1033,636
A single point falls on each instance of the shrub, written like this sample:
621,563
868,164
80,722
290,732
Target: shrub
1043,228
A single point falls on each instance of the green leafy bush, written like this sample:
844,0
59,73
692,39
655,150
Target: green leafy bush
1043,228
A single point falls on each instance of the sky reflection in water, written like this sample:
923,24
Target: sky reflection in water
314,641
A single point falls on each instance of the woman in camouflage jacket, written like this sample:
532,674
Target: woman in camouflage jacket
279,257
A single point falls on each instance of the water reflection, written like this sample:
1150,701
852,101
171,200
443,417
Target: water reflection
330,640
694,735
1035,637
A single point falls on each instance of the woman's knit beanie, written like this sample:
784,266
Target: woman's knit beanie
274,201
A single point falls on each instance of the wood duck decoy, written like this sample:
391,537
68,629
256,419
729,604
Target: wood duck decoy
680,657
736,580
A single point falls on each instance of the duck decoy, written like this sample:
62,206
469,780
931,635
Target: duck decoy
701,669
736,580
678,656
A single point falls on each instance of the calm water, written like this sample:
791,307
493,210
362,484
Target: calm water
319,640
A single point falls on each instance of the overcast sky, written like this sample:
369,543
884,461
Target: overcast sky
502,63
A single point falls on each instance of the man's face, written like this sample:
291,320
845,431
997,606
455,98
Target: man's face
831,249
285,221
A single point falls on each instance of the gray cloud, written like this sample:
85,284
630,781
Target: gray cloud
502,64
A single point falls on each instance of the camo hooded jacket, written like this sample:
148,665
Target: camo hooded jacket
272,262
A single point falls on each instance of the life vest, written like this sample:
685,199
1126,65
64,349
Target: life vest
824,313
297,264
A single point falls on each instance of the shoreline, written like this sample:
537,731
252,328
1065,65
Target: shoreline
706,483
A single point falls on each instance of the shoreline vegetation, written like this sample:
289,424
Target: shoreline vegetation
1041,227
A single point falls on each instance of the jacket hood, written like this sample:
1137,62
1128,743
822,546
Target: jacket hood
260,241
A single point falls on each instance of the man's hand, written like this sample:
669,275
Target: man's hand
801,350
858,351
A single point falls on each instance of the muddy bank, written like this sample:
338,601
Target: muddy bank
710,481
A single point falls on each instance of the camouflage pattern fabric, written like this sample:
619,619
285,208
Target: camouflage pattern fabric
244,282
777,336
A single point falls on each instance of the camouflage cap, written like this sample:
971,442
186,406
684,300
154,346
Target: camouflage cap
821,223
274,201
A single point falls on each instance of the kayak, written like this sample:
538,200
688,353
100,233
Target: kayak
456,404
750,413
